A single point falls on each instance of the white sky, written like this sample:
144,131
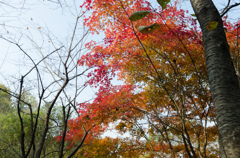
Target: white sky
18,24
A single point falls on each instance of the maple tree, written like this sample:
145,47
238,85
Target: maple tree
166,99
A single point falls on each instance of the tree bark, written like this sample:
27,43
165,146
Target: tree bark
222,79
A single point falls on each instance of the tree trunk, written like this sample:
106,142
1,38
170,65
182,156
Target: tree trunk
222,79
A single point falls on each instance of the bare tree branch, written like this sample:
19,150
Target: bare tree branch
230,7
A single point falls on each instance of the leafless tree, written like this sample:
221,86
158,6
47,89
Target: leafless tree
57,79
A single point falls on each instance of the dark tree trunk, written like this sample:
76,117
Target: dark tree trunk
222,79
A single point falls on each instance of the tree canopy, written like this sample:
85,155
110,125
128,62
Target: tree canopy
165,101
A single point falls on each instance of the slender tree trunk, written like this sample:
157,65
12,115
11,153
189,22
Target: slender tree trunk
222,79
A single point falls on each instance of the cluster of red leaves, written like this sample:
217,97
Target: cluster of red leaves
97,115
87,4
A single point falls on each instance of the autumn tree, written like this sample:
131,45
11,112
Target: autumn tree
153,62
161,59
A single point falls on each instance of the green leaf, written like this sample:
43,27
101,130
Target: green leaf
193,15
163,3
148,29
138,15
212,25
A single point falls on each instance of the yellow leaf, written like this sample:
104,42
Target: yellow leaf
39,27
225,30
138,15
163,3
212,25
148,29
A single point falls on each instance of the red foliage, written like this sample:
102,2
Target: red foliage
164,72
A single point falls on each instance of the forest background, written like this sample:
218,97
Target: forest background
59,88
